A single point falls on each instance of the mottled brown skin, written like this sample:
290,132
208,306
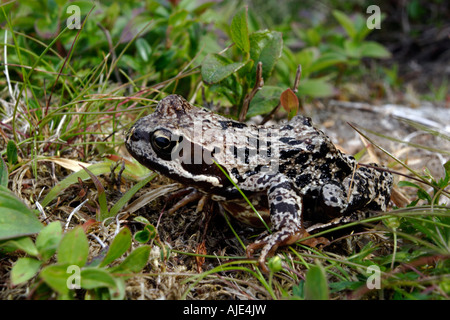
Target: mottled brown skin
293,170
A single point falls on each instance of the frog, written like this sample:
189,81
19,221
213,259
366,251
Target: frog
295,180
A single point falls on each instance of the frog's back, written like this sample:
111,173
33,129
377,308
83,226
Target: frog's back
308,157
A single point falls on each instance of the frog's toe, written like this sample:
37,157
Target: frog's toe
267,250
251,248
270,243
314,242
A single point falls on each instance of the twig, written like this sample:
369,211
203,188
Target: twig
98,240
249,96
298,76
6,72
73,212
270,115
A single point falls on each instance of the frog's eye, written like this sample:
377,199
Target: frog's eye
162,142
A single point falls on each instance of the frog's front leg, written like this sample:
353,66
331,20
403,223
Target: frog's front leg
286,220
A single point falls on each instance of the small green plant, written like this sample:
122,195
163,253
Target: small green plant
132,170
235,77
16,219
329,55
148,231
72,270
354,46
438,187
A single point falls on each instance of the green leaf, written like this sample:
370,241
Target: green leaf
142,236
48,240
141,219
118,292
305,58
74,248
165,60
84,5
56,277
421,193
346,285
405,183
16,219
144,50
239,30
316,286
215,68
352,49
373,49
346,23
45,28
298,290
24,243
149,232
326,60
315,88
135,261
313,37
92,278
3,173
120,244
24,269
99,168
444,181
178,18
264,101
266,47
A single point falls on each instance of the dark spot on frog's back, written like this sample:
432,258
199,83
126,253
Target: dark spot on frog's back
301,158
302,180
291,141
232,124
284,207
307,121
323,150
236,174
256,170
287,127
289,154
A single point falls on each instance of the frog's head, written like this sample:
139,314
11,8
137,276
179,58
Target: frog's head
171,142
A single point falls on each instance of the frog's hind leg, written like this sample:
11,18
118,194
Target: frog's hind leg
369,188
286,220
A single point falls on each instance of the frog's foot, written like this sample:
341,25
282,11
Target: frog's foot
271,242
